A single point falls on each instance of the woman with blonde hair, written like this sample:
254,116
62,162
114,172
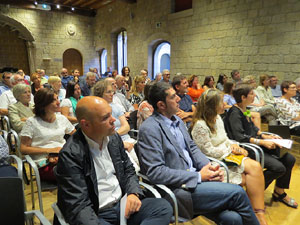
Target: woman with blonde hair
194,89
55,83
137,91
210,136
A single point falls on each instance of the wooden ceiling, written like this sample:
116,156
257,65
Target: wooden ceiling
82,7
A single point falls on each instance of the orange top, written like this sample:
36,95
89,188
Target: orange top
195,93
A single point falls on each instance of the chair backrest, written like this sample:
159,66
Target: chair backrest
133,120
11,201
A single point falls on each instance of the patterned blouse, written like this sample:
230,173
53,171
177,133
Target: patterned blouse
136,99
287,111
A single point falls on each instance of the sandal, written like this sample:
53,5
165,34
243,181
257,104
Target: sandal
291,203
260,214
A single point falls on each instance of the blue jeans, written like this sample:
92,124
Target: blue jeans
153,211
223,203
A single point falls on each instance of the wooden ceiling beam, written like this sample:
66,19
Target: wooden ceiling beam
78,2
87,3
98,5
67,1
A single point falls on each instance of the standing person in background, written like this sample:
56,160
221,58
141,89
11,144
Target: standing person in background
221,81
126,74
194,89
209,82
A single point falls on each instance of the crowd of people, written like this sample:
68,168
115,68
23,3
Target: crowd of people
81,125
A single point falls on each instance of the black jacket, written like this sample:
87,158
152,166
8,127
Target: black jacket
77,183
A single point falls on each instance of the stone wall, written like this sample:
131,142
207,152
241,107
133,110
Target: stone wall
49,30
253,36
13,51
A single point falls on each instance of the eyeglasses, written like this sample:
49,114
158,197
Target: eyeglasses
109,92
292,88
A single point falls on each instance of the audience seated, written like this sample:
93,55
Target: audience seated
240,127
209,82
36,83
288,108
186,106
228,99
267,111
169,156
209,134
144,72
19,112
145,109
6,170
68,105
23,75
236,77
122,86
104,90
55,83
7,98
126,73
137,91
221,81
76,75
275,88
158,77
90,81
5,84
65,78
264,91
297,97
43,135
194,89
42,75
166,76
120,99
114,73
94,173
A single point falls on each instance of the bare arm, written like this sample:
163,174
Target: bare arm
65,112
124,126
26,147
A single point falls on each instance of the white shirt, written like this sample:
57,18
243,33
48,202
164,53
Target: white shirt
46,135
108,185
61,94
67,103
7,98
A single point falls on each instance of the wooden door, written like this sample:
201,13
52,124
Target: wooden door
72,59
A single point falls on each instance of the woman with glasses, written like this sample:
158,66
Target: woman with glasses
288,108
240,127
104,89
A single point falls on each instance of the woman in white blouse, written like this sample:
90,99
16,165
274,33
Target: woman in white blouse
288,108
210,136
43,134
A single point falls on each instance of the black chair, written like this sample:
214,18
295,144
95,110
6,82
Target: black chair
12,204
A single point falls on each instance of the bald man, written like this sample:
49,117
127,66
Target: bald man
94,173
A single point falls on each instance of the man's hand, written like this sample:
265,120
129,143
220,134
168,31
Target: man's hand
211,173
133,204
128,146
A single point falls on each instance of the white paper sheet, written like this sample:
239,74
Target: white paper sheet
286,143
123,220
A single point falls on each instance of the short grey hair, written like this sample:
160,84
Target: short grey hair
119,76
90,74
19,89
165,71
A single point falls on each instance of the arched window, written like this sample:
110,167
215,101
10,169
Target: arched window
161,57
103,61
122,50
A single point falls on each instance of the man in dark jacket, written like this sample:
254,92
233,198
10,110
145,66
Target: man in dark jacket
94,173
